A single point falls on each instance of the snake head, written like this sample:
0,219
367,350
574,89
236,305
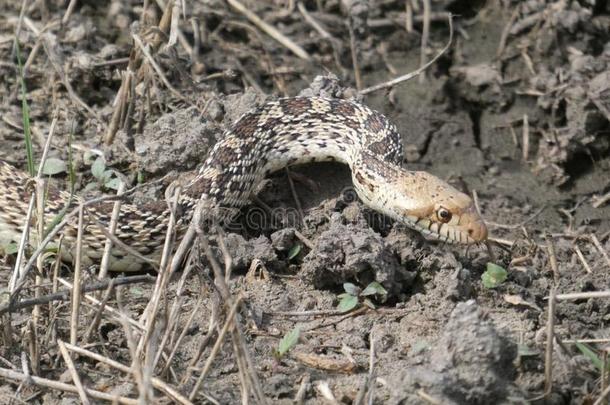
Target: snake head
438,210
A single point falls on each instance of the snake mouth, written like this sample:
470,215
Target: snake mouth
474,232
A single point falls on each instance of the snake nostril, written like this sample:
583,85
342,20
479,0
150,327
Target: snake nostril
470,231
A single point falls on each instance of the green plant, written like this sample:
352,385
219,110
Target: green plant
589,353
105,178
354,294
288,342
294,251
493,276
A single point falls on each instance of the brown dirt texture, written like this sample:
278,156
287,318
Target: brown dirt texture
515,112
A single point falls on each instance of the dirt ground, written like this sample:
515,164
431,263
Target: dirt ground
515,112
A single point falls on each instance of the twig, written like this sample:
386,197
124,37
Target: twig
519,224
424,38
55,62
526,137
582,259
408,16
137,370
602,397
582,295
68,13
64,295
599,201
428,398
506,32
114,217
176,342
56,385
156,67
599,247
313,22
295,196
552,257
269,30
299,398
100,310
208,363
76,291
413,74
150,313
354,50
157,383
548,356
19,273
75,378
125,247
117,314
367,386
329,312
304,239
355,312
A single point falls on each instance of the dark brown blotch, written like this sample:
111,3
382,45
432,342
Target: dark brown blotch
201,186
379,148
376,122
342,107
295,106
362,180
224,156
246,126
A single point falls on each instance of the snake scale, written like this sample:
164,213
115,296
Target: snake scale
278,134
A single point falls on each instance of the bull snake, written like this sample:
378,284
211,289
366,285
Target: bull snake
278,134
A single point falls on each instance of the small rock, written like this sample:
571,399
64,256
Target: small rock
283,239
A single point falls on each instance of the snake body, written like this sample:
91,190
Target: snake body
278,134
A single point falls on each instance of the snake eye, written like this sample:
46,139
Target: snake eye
443,215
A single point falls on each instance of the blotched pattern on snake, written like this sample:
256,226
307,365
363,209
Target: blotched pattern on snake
280,133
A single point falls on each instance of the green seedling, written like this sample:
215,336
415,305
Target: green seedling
493,276
294,251
105,178
288,342
353,295
593,357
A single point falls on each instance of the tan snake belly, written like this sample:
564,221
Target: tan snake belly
279,133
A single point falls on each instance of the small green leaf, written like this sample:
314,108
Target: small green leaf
347,303
288,341
351,289
113,184
493,276
98,168
591,355
54,166
294,251
374,288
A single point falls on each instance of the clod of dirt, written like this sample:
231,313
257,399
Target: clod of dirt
472,363
283,239
243,252
176,141
353,252
329,86
236,105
